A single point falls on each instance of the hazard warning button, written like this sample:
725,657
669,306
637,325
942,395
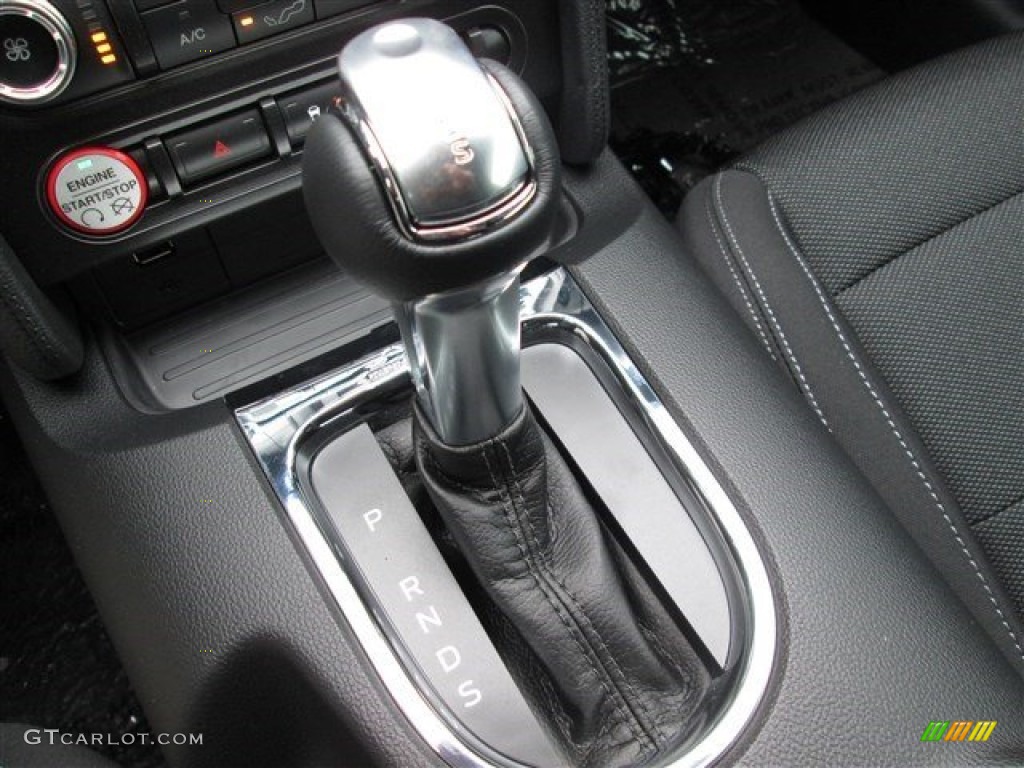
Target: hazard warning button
97,190
217,147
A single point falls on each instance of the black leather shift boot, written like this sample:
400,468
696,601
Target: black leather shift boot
625,675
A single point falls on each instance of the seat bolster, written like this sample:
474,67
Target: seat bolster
736,230
698,222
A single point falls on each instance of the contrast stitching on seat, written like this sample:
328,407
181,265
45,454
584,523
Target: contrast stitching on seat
753,169
895,431
804,384
744,293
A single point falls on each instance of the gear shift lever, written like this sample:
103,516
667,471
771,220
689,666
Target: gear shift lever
464,157
471,197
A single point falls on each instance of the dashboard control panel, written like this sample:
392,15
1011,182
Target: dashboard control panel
169,166
100,191
188,30
152,174
56,51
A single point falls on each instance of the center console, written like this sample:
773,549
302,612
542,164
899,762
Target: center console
385,572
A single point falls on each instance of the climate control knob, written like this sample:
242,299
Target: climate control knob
37,52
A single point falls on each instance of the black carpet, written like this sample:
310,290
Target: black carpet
698,82
58,668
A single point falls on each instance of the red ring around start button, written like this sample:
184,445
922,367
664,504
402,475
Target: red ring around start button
97,190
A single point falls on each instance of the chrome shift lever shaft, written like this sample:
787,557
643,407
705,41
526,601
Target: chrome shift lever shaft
463,349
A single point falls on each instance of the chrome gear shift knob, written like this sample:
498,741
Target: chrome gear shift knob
438,129
435,180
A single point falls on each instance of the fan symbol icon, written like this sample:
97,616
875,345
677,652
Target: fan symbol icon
17,49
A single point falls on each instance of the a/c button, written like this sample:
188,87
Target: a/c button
213,148
188,30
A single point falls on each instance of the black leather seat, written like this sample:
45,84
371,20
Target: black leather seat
877,252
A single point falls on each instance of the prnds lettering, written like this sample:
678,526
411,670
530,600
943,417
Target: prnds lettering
428,618
449,658
470,694
373,517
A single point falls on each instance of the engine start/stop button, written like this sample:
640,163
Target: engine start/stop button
97,190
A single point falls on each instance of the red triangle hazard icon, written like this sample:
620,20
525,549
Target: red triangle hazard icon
220,149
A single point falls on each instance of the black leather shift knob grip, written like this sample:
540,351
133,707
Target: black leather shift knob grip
352,217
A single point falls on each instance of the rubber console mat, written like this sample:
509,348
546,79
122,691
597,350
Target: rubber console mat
58,668
698,82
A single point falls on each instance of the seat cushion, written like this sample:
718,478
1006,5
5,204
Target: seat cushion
877,252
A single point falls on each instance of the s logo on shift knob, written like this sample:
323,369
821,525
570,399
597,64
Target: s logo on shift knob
462,152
